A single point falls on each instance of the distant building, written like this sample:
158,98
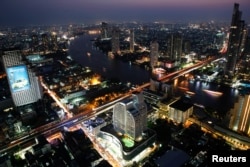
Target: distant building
175,47
180,111
115,41
34,42
152,97
164,107
166,89
104,30
236,40
154,54
54,42
187,46
24,84
240,115
45,42
131,41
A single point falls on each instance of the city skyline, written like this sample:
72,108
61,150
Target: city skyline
124,94
30,12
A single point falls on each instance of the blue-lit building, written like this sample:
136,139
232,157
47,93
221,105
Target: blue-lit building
24,84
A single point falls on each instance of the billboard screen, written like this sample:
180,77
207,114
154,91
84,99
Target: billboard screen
18,78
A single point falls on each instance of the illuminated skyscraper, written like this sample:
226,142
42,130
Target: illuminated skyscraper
175,47
240,115
154,53
54,44
128,135
115,41
131,40
24,84
130,116
236,40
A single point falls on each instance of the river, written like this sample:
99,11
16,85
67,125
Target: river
81,49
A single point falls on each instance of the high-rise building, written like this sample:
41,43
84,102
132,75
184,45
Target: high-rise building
54,43
35,42
24,84
243,42
154,54
240,115
236,40
175,47
115,41
187,46
131,41
128,132
104,30
45,42
130,117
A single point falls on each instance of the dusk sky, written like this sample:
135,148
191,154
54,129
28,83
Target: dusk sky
23,12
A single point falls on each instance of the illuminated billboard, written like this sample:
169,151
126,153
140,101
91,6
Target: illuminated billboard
18,78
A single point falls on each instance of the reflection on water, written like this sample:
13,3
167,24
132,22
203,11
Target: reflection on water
82,51
213,93
221,98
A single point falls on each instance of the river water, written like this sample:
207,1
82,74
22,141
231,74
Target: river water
81,49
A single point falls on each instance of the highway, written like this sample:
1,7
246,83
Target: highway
72,120
233,138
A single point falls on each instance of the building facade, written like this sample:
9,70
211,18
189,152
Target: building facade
131,40
128,135
154,54
180,111
104,30
130,117
174,48
236,40
115,41
24,84
240,115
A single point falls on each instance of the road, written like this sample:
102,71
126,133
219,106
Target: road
57,126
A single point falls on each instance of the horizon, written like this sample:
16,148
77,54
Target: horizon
45,12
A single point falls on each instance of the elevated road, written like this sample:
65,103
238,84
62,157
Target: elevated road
72,120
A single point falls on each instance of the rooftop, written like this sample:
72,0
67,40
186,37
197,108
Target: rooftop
127,143
181,105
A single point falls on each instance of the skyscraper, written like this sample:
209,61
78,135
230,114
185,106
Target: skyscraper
235,40
131,40
35,42
45,42
154,53
104,30
54,44
24,84
128,135
115,41
175,47
240,115
130,117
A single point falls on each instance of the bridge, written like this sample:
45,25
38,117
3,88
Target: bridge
57,126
